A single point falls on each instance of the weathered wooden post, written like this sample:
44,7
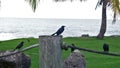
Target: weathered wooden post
50,51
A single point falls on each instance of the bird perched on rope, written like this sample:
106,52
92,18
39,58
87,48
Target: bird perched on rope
19,45
106,47
59,31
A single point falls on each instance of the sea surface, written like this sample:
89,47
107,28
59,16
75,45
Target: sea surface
11,28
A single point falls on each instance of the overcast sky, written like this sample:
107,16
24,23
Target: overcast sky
51,9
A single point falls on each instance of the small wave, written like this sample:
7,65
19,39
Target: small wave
6,36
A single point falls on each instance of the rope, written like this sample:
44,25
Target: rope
22,50
73,47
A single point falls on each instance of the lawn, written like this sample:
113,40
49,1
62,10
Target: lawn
92,60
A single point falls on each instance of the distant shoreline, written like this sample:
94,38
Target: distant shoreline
63,37
12,28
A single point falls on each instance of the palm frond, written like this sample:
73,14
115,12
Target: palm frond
66,0
114,18
115,8
98,3
33,3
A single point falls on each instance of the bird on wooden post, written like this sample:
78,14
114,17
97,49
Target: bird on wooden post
19,45
106,47
59,31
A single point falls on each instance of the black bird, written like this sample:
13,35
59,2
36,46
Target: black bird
106,47
19,45
59,31
73,47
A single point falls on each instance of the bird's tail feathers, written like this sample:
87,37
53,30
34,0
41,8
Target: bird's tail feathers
53,34
14,49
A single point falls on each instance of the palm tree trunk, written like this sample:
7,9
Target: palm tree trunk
103,23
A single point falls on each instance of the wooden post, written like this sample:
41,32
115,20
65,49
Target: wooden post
50,51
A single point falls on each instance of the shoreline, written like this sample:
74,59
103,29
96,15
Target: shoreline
63,37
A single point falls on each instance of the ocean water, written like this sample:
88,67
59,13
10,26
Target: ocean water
11,28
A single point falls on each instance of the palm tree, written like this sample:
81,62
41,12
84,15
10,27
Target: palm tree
116,9
103,23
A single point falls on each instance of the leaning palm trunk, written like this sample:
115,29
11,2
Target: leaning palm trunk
104,18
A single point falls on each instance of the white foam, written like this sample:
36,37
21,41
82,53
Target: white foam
6,36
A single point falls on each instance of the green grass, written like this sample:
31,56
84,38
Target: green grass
92,60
